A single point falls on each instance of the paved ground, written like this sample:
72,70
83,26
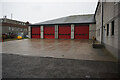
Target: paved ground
69,49
37,58
16,66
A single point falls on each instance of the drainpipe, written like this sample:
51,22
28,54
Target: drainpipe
102,23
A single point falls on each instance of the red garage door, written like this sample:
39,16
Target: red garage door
81,32
64,32
49,32
35,32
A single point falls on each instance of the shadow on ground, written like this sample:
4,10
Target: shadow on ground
16,66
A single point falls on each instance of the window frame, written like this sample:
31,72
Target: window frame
12,28
112,28
107,29
9,28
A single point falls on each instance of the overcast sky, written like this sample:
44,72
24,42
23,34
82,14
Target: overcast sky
45,10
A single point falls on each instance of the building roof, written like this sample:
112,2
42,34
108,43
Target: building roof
11,20
75,19
13,23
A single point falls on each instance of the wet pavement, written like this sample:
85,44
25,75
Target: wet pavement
69,49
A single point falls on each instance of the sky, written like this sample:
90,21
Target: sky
36,11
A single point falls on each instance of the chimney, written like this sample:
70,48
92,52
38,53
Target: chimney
4,16
27,23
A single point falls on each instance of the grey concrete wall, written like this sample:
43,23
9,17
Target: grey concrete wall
111,13
119,38
56,31
92,30
98,23
1,60
72,31
0,30
42,32
29,32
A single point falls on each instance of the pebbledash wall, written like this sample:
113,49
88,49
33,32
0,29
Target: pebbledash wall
111,26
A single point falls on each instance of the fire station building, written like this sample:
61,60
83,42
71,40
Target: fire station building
70,27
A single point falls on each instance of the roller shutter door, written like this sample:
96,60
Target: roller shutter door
49,32
64,32
35,32
81,32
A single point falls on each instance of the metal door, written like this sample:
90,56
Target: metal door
49,32
35,32
64,32
81,32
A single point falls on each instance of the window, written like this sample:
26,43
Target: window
25,29
17,28
112,28
21,29
12,28
9,28
107,29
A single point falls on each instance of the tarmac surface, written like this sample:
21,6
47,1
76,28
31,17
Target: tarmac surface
19,66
